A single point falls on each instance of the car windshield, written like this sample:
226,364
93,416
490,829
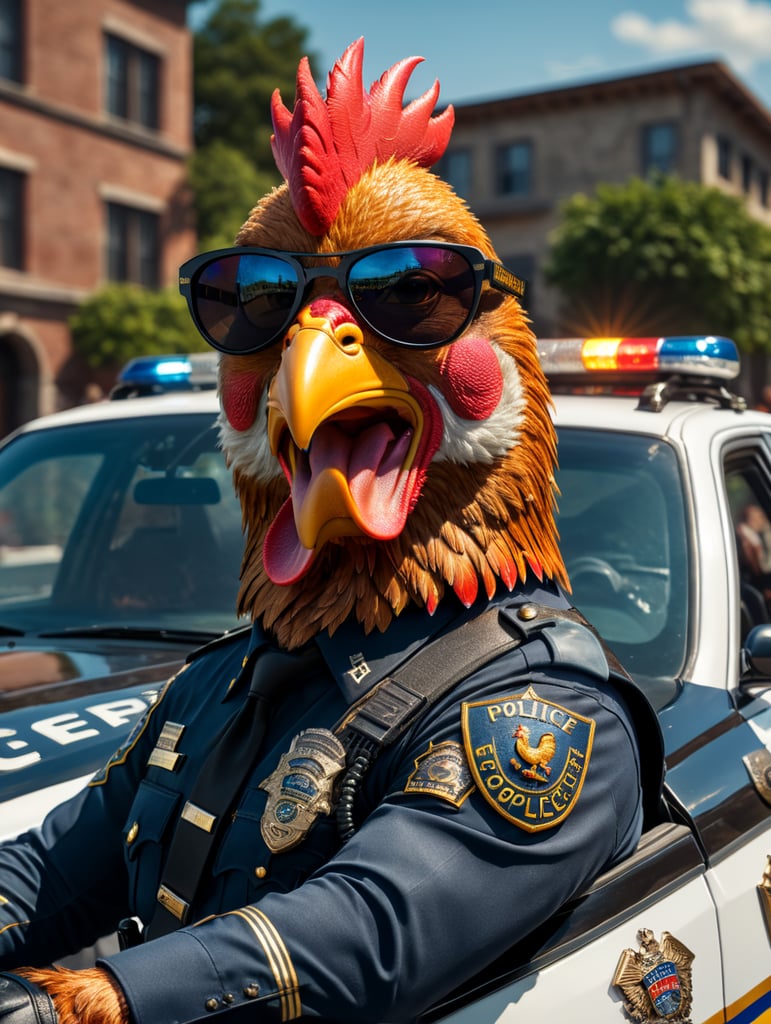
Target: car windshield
130,523
622,526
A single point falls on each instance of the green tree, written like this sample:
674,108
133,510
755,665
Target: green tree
238,61
660,257
121,321
226,186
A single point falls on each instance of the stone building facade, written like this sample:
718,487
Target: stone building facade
516,159
95,129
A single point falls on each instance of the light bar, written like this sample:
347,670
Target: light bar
170,373
702,356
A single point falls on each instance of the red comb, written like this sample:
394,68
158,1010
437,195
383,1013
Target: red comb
323,147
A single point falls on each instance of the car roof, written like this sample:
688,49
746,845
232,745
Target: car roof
174,403
625,414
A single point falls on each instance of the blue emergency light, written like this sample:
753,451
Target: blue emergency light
147,375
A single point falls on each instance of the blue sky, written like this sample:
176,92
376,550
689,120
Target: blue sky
481,49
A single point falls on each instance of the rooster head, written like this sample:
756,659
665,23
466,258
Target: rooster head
380,465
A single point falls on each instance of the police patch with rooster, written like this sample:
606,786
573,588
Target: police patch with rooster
416,740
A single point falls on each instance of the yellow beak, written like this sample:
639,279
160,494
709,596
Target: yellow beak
327,376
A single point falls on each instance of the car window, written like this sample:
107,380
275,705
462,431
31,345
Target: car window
749,499
119,521
622,521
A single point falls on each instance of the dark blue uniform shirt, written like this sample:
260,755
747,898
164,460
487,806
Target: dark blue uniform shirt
466,837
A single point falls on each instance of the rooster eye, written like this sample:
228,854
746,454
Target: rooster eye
413,289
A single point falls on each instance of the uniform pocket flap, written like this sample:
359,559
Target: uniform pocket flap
149,817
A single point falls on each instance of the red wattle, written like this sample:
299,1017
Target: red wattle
240,393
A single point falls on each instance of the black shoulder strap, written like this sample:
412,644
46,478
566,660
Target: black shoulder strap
391,707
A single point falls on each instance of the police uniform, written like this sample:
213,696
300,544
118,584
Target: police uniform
501,801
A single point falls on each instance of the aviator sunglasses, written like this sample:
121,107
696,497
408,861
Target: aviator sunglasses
418,294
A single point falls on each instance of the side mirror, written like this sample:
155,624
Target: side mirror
756,655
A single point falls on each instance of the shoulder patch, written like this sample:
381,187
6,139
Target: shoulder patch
442,771
528,756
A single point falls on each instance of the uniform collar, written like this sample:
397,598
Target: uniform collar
358,660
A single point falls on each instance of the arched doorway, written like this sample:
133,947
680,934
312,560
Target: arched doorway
19,381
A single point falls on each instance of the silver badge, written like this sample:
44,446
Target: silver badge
301,788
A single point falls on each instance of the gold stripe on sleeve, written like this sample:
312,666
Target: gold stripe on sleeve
278,959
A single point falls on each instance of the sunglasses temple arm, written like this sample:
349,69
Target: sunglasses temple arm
502,279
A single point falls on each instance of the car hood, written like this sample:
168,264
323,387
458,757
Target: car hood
64,710
36,671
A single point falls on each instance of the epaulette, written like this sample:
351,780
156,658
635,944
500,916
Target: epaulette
232,636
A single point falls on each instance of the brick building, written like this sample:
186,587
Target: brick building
515,159
95,128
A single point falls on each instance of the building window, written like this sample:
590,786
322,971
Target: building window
133,78
724,157
455,168
133,245
746,174
10,40
11,219
659,148
513,169
763,188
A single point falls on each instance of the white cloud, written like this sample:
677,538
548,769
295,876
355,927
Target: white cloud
573,69
738,29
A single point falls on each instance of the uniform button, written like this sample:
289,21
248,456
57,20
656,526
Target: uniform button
228,997
527,612
261,872
132,833
252,991
211,1004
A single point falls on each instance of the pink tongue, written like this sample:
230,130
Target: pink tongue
371,462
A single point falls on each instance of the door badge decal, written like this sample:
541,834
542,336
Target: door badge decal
300,788
764,893
758,764
528,757
656,979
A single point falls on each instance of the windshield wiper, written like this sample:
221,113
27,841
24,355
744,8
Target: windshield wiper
10,631
136,633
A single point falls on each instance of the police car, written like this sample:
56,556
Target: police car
665,504
120,545
665,500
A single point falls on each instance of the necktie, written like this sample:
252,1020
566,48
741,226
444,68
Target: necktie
219,784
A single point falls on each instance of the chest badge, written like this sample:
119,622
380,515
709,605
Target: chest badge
528,756
300,788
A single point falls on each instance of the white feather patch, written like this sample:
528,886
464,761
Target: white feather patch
248,450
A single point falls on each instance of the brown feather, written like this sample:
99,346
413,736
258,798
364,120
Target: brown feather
90,996
472,522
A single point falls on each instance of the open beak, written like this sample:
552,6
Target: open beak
345,427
